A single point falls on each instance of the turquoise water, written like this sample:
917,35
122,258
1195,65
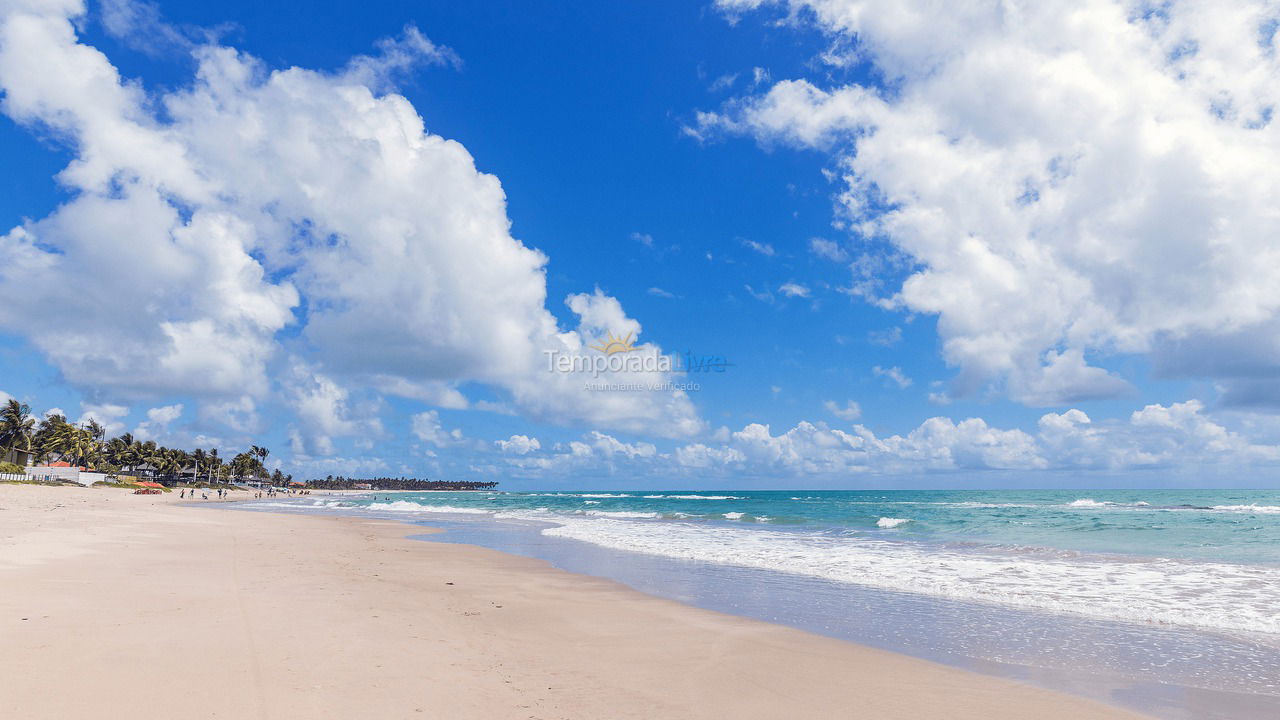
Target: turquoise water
1221,525
1194,559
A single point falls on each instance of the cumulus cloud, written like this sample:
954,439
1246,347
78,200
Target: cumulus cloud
595,452
324,410
518,445
1180,434
157,423
206,223
426,427
1068,181
108,415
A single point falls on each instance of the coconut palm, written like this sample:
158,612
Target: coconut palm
243,465
119,452
44,443
200,459
74,444
17,429
214,463
259,454
96,431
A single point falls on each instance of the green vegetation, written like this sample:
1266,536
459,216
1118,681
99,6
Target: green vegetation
389,483
8,468
16,429
86,445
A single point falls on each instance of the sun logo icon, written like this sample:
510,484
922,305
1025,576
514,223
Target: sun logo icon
612,345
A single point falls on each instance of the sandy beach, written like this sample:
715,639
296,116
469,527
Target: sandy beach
122,605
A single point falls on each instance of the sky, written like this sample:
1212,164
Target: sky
848,243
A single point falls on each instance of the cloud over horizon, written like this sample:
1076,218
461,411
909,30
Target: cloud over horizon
1067,181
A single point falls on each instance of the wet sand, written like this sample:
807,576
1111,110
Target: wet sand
122,605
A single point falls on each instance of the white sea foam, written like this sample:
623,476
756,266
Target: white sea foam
1255,509
1089,503
578,495
404,506
1216,596
590,502
693,497
888,522
733,516
971,504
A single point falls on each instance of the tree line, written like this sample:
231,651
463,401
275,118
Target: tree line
86,445
338,482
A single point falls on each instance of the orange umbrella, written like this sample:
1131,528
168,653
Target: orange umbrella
148,483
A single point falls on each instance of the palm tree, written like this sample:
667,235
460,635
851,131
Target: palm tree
200,458
17,428
215,464
181,458
260,455
96,431
243,465
73,443
119,452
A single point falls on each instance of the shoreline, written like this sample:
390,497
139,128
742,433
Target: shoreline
283,615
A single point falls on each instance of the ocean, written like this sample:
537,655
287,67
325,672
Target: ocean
1127,588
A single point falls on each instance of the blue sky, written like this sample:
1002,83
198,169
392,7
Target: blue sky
925,262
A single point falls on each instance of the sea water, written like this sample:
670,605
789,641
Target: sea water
1165,586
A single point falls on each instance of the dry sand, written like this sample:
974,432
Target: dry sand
114,605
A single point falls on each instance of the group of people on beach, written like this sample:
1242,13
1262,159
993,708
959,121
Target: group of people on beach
204,493
223,492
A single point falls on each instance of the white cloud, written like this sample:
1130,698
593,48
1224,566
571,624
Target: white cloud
659,292
827,249
107,415
157,423
850,411
1156,436
761,295
893,375
396,56
324,410
698,455
239,414
427,428
644,239
518,445
1068,180
205,220
724,82
791,289
595,452
318,467
763,248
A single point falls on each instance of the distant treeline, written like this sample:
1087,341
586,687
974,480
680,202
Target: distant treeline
338,482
